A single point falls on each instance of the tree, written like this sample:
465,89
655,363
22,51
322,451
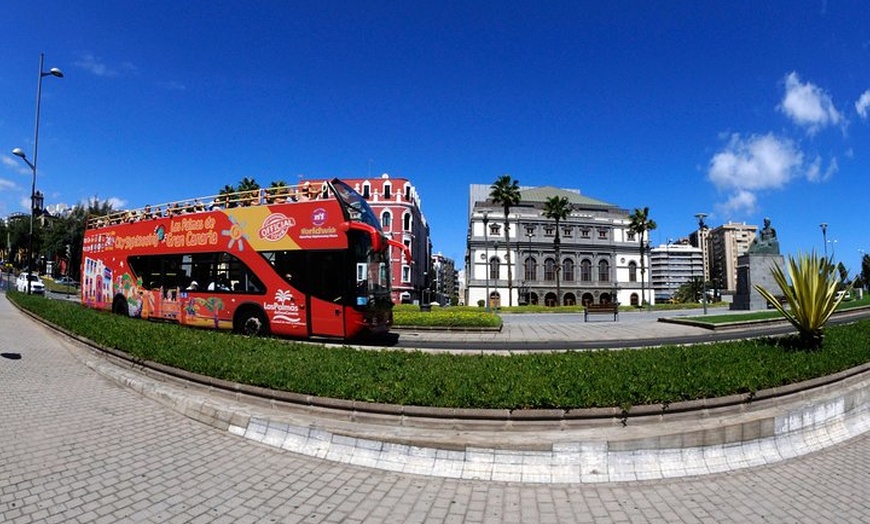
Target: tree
248,184
865,269
17,234
690,291
640,224
506,192
557,208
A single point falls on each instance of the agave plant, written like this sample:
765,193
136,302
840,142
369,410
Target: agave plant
811,296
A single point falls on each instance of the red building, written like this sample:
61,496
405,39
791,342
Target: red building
397,204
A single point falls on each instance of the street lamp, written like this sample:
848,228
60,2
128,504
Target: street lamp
19,153
701,227
531,275
824,226
486,255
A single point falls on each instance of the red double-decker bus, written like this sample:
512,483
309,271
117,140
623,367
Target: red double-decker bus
293,261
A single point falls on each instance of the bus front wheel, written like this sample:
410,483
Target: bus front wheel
119,306
251,322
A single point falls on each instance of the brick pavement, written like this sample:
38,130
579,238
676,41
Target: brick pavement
76,447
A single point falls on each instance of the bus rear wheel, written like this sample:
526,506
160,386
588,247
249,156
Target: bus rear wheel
251,322
119,306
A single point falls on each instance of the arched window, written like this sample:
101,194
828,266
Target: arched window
407,192
549,269
530,267
406,222
568,270
386,220
494,264
632,271
604,271
586,270
388,191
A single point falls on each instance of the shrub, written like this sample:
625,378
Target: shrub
811,295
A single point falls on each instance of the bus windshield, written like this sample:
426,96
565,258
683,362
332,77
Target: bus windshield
356,205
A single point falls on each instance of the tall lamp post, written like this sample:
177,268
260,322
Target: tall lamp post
701,227
486,255
531,276
824,226
36,200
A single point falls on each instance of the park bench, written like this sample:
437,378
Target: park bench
612,308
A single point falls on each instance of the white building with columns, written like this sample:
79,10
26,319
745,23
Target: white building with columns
599,258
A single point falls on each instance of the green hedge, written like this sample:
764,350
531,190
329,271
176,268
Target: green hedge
576,379
444,317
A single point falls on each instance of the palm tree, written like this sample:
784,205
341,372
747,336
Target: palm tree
248,184
640,223
557,208
506,191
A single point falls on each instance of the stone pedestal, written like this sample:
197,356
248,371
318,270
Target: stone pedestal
754,269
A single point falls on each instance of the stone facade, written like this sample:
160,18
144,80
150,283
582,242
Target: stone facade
600,258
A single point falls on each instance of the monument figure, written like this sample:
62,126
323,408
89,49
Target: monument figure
753,268
766,242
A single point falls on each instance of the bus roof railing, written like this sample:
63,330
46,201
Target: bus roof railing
303,192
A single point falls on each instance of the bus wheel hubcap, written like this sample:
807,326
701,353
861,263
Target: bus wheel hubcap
253,326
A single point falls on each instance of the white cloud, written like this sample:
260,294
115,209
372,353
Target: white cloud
814,170
172,85
807,105
90,63
756,163
863,103
16,165
117,203
759,162
7,184
741,202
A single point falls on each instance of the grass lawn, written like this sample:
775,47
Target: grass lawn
574,379
769,314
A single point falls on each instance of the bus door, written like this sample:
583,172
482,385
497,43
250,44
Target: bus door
326,318
328,290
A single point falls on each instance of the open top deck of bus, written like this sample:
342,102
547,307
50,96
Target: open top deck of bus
303,192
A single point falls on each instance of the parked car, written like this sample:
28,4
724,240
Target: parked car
66,281
37,286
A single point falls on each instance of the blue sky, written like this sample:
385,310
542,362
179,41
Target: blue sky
742,110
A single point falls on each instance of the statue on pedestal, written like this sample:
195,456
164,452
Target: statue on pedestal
766,242
754,269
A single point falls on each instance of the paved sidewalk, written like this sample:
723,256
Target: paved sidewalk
76,447
549,331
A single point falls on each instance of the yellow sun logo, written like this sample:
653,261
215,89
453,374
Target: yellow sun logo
236,232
